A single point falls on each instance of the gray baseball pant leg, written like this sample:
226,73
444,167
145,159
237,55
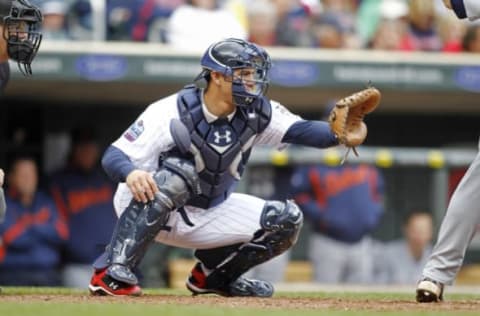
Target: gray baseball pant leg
457,229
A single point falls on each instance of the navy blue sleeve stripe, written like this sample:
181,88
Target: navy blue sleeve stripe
459,7
310,133
116,164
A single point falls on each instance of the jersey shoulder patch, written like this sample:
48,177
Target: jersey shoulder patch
134,131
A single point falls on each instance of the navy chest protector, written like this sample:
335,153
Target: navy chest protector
220,149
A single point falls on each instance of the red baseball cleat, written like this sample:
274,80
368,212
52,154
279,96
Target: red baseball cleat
102,284
197,284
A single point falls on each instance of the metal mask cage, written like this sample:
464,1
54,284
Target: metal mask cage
248,73
22,34
254,80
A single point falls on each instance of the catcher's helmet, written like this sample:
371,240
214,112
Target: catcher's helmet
21,31
231,54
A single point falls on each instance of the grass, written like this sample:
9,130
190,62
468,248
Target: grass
19,302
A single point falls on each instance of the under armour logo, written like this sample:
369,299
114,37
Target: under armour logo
226,137
113,285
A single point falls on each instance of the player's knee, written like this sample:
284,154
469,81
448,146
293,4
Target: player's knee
284,219
177,181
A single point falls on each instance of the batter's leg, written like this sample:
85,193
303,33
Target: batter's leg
456,231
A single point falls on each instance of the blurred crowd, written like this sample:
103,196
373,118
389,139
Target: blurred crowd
402,25
56,224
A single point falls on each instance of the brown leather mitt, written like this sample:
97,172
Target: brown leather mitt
346,118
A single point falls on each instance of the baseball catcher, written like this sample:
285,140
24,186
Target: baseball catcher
346,117
179,163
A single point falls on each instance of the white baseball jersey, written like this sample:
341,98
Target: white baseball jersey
233,221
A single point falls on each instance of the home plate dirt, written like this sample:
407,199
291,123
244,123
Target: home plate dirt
257,303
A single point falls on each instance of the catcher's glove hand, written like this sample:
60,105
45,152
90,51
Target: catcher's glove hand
346,118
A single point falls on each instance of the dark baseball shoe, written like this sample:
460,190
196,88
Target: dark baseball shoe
196,283
102,284
429,290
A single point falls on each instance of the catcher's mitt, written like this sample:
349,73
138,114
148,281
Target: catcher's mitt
346,118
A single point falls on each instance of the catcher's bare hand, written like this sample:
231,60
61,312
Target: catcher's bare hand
346,118
142,185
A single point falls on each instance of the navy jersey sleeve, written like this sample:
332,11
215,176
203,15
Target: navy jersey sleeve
310,133
117,164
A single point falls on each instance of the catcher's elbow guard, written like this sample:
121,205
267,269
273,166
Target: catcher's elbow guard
346,118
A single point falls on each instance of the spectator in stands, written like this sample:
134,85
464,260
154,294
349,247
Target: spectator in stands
80,20
120,19
390,35
471,40
343,203
210,22
54,20
32,233
293,23
151,21
327,31
346,15
401,261
374,15
83,194
340,5
262,23
451,31
422,33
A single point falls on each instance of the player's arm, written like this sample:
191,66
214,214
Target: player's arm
288,128
140,146
120,168
310,133
464,8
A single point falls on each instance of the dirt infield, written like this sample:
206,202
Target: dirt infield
270,303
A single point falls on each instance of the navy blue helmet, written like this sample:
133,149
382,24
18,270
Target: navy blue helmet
232,54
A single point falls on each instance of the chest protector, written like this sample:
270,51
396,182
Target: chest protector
221,148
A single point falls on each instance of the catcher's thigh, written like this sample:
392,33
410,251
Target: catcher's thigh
234,221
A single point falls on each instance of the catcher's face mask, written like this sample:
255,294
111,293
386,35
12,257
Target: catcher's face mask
21,31
244,64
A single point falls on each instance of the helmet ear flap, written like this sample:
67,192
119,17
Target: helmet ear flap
201,81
